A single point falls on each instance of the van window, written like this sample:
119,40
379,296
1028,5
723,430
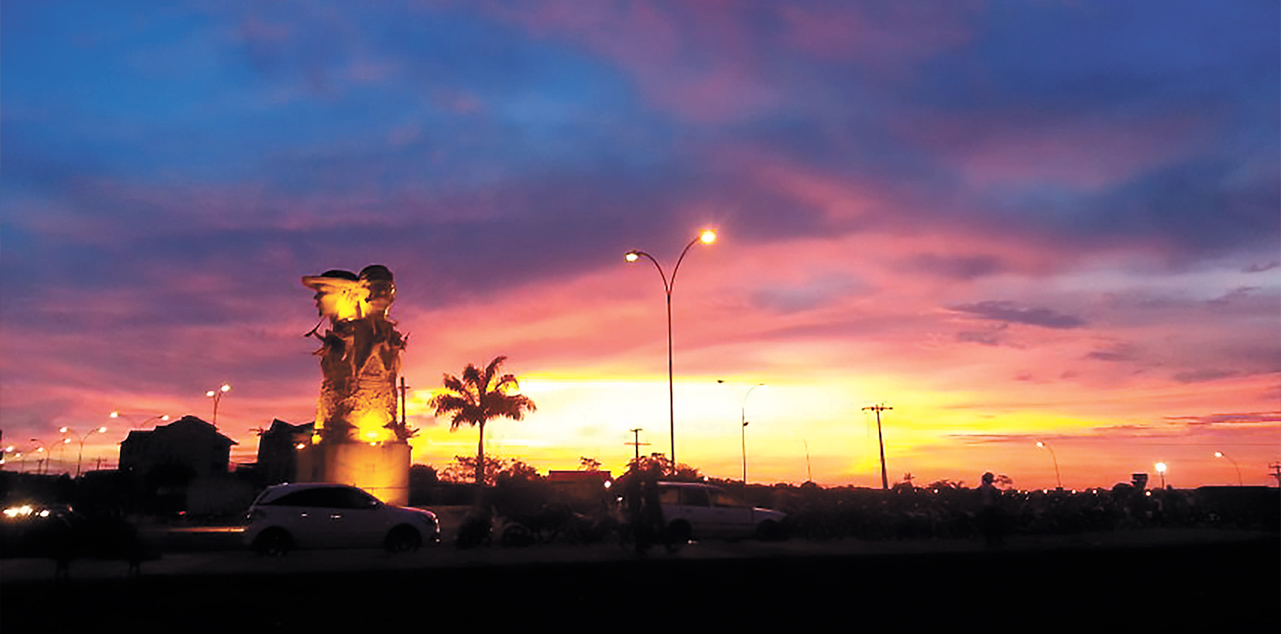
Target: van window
669,495
694,496
725,498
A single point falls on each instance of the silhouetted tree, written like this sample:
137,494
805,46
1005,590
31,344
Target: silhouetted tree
423,475
463,469
588,464
661,465
478,396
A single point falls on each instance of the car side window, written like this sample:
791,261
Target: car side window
354,499
694,496
334,498
297,498
726,499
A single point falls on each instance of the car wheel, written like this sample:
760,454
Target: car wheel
517,535
403,539
273,542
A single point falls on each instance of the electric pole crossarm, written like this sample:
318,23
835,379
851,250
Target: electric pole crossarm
636,442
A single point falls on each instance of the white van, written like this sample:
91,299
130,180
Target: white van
695,511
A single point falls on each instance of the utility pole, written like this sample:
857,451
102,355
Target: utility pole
636,443
885,481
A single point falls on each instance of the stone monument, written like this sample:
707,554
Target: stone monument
358,440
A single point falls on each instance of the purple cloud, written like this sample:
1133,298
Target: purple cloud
1011,313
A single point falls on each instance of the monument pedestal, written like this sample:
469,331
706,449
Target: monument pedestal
381,469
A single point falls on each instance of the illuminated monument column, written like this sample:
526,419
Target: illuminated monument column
358,439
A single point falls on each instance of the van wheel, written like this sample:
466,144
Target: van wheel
403,539
678,534
273,542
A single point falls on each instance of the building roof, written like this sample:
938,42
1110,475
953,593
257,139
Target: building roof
187,425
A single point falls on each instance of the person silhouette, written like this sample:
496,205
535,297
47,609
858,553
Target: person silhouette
990,513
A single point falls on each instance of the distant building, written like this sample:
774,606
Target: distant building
278,450
186,448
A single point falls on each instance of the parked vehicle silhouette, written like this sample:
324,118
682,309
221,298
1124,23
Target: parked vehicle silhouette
318,515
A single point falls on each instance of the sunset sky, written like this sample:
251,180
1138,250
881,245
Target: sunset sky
1009,221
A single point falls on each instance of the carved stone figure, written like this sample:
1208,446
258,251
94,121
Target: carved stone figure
359,356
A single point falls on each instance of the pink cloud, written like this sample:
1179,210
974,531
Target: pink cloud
1003,148
877,34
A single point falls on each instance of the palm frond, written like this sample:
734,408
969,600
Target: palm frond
491,371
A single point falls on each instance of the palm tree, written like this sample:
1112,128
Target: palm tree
479,396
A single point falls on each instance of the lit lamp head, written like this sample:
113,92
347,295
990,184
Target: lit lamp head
707,236
632,256
1218,454
1160,468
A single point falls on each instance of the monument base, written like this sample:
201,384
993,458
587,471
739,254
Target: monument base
381,469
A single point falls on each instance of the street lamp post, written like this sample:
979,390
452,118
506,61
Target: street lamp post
809,473
1220,454
80,455
40,448
1160,468
216,395
706,237
62,451
742,408
1057,479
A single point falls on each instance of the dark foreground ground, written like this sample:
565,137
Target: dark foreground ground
1163,583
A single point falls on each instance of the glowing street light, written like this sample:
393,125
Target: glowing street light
22,462
1056,463
1220,454
706,237
1160,468
742,403
133,423
216,395
79,456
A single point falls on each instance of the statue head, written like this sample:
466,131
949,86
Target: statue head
382,288
339,294
344,296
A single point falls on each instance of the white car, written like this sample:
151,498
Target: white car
694,511
322,515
